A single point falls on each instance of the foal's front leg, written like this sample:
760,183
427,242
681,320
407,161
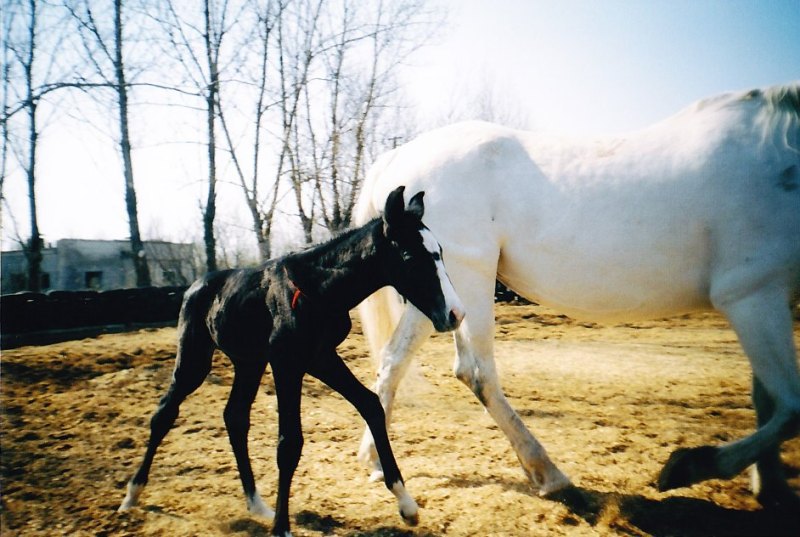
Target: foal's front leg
331,370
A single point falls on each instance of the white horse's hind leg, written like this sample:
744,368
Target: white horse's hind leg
767,475
412,330
763,322
475,367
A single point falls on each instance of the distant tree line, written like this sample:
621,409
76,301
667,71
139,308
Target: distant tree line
297,97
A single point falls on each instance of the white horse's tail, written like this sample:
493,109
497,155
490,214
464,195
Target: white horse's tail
379,315
381,311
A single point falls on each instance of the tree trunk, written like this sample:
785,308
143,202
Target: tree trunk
211,102
33,250
137,247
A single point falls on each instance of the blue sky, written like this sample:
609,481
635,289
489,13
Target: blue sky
572,66
614,65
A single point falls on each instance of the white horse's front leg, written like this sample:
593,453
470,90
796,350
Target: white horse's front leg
475,367
478,372
411,332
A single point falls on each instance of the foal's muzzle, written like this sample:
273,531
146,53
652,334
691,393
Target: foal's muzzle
449,322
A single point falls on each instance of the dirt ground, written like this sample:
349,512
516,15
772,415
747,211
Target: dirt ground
609,403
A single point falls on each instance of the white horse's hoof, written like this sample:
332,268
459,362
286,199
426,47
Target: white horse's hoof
555,482
375,476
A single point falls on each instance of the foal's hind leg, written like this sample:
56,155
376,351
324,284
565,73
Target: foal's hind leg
332,371
412,330
288,384
192,365
246,381
763,322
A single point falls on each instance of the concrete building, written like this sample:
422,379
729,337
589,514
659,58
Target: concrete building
100,265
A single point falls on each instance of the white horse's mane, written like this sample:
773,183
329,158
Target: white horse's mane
780,116
775,99
776,110
784,98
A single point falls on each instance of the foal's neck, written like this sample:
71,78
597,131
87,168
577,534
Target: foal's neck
341,273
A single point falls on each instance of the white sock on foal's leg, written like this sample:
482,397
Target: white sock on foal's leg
408,507
131,497
256,506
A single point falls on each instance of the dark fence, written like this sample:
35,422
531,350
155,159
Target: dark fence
504,294
41,318
23,315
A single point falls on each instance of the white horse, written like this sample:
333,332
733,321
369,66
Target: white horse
699,211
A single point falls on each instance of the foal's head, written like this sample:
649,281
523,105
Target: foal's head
415,264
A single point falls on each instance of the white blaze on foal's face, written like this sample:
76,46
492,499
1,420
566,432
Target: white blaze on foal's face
451,300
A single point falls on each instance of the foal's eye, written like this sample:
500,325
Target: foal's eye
406,255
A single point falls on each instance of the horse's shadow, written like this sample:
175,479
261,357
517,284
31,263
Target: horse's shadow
326,524
675,515
634,514
630,514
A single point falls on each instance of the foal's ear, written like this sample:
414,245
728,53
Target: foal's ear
394,209
415,205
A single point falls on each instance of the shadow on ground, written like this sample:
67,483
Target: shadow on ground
674,515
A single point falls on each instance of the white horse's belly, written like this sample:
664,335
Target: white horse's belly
625,288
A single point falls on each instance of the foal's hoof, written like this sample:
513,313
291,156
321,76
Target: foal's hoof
257,507
412,518
131,498
375,476
687,466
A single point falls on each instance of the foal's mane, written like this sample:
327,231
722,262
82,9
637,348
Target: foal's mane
329,250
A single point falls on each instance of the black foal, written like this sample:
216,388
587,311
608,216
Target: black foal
292,313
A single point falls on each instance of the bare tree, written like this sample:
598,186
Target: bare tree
106,54
213,41
33,67
486,102
299,43
24,48
261,199
5,87
361,47
197,47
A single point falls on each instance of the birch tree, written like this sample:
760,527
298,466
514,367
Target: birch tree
22,51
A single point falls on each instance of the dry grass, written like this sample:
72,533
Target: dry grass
610,404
